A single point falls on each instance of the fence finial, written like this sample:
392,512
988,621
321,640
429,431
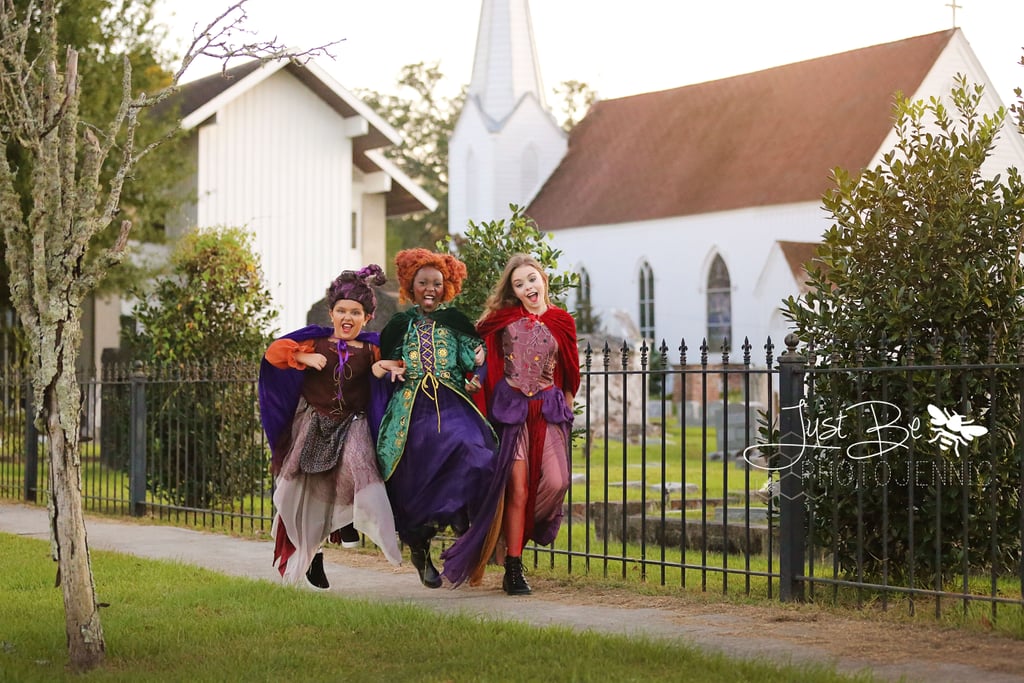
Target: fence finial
792,341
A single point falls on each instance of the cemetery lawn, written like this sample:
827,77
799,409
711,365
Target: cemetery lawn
660,464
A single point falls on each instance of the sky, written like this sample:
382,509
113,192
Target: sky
617,47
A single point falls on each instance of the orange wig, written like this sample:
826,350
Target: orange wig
409,261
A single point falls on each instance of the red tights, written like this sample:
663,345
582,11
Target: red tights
514,523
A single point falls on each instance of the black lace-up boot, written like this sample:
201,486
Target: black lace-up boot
419,554
315,574
514,582
349,536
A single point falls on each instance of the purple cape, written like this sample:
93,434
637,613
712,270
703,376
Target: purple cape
280,389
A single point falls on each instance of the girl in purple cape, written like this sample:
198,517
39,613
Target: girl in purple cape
320,408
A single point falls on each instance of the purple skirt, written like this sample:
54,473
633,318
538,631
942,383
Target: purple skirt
443,474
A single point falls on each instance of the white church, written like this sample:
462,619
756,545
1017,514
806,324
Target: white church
690,210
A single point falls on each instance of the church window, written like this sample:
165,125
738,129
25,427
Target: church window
647,302
585,321
719,303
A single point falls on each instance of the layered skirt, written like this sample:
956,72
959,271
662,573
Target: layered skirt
546,419
311,506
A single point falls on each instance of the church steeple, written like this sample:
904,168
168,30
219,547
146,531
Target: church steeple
506,143
505,66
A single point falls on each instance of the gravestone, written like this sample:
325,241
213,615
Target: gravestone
735,426
621,389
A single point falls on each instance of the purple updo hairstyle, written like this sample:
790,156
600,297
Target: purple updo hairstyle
356,285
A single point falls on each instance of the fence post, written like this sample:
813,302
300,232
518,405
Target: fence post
137,441
792,512
31,492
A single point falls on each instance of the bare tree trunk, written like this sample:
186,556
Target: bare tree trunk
47,244
86,646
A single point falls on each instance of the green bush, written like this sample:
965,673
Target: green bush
205,324
921,266
487,247
204,441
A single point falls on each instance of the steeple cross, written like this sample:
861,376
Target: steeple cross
952,5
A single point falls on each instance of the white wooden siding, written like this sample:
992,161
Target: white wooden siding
679,251
277,162
486,167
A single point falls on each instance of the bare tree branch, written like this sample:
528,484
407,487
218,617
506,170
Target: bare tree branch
215,41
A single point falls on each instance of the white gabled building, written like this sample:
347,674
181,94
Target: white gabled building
690,210
285,151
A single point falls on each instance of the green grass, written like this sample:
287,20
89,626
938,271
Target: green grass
662,458
172,622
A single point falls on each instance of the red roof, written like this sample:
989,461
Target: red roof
769,137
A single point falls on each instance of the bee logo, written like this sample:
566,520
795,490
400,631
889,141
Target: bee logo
953,429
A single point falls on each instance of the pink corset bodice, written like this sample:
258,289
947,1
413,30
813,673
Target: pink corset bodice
530,353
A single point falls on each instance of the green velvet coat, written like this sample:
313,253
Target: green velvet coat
453,340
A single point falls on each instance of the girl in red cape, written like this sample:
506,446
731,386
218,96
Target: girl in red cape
530,380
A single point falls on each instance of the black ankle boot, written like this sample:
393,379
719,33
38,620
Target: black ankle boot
349,537
420,556
514,582
315,575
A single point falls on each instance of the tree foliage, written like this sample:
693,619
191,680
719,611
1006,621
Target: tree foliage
105,32
922,265
487,247
575,98
213,305
425,117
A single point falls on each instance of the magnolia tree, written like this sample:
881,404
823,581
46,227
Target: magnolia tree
922,266
52,250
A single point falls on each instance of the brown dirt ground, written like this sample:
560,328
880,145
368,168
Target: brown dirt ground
868,634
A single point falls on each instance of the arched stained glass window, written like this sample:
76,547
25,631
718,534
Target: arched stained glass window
719,304
647,302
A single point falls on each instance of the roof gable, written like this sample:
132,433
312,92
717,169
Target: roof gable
199,100
798,256
769,137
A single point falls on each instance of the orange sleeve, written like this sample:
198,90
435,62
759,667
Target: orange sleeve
281,353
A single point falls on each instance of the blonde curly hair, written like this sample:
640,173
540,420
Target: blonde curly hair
502,295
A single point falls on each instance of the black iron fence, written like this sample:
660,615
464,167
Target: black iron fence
780,476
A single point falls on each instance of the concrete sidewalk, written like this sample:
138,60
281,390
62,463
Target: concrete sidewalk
728,630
